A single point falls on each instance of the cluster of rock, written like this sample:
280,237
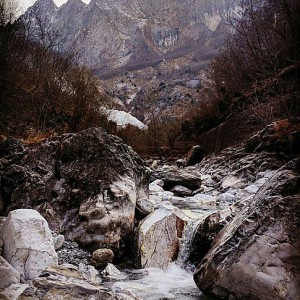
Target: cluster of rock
29,266
85,185
94,191
256,256
249,247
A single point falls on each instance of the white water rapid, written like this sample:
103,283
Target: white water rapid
174,283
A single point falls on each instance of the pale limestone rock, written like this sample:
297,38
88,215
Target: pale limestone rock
158,182
154,187
8,274
251,189
111,271
230,181
158,238
28,244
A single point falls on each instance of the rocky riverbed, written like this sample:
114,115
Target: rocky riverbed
85,218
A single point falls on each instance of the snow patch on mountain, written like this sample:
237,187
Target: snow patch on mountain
123,119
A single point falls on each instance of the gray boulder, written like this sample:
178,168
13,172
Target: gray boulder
144,207
84,184
256,256
158,237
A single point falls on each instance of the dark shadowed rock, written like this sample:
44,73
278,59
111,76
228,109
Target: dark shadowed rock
84,184
179,190
280,136
194,156
11,150
172,176
256,256
209,228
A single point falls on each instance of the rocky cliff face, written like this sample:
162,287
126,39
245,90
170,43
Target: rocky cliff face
111,34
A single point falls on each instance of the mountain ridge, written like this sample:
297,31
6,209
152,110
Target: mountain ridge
108,35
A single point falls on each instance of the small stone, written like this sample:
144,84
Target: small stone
102,257
144,207
58,241
179,190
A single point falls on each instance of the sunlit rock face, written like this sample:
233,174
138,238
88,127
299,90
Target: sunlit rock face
117,33
86,185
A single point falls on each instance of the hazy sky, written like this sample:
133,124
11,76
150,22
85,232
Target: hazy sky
24,4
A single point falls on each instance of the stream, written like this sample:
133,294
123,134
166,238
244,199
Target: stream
176,282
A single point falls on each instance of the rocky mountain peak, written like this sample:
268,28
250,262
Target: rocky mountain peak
131,33
44,6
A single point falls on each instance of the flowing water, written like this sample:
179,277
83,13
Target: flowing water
155,284
174,283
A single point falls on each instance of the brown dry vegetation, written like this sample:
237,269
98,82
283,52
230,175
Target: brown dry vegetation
255,78
42,93
252,82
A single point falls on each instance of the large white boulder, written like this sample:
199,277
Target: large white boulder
28,244
158,237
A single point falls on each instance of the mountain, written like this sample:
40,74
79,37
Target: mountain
131,34
149,53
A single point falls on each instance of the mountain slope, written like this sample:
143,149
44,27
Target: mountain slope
112,34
